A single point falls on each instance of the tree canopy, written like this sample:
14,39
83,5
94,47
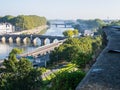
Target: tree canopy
94,24
24,22
19,74
67,80
71,33
77,50
117,23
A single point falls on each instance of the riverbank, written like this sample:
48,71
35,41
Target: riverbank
36,30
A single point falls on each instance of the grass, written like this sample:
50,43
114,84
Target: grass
68,67
43,31
47,79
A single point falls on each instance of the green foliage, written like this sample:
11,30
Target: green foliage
6,18
115,23
67,80
75,32
78,51
89,24
70,33
19,74
16,51
25,22
42,69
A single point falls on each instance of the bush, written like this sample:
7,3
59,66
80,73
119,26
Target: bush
67,80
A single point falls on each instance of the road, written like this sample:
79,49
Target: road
42,50
32,31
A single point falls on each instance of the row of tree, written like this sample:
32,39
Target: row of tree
78,51
24,22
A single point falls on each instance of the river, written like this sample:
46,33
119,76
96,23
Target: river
5,48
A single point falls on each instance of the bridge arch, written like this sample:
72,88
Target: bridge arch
18,40
37,41
26,40
47,41
10,39
55,40
3,39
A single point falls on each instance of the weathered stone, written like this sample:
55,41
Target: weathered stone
105,73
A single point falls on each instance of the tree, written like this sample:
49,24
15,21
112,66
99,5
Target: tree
6,18
82,59
19,74
24,22
71,33
76,33
77,50
68,33
67,80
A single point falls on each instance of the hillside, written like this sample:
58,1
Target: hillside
24,22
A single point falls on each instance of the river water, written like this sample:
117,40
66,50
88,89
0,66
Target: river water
5,48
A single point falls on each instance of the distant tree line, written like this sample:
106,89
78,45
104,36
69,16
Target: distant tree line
94,24
24,22
116,23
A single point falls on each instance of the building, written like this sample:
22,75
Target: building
88,33
6,28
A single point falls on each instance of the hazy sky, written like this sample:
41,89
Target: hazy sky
62,9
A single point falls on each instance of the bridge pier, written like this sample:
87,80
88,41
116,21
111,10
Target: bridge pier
42,42
65,25
56,25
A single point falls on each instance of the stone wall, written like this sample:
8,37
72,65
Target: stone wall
105,73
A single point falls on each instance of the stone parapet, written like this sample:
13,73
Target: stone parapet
105,72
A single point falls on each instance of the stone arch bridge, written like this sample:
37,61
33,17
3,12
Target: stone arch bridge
29,38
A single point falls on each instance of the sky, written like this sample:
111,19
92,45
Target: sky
62,9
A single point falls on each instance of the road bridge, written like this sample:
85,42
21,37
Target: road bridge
65,23
43,50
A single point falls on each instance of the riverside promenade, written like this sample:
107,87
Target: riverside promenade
105,72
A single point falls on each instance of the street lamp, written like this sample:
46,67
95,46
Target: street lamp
57,58
31,37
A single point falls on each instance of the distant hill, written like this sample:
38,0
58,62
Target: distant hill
24,22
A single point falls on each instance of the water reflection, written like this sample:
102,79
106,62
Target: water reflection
53,31
5,48
37,42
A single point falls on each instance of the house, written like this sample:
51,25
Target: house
88,33
6,28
